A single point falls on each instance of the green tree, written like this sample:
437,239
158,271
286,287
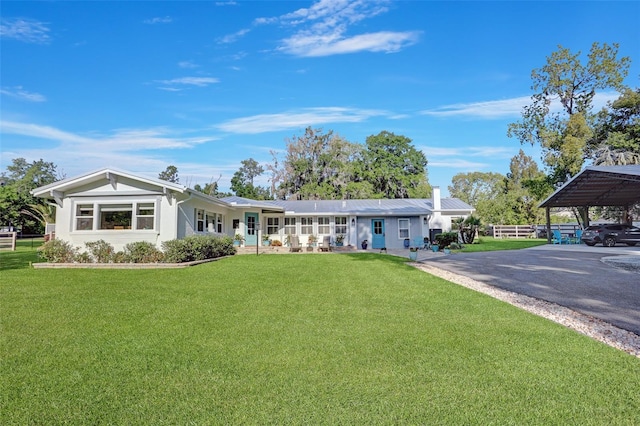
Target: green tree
616,139
317,165
170,175
521,190
563,134
242,182
487,193
394,167
17,206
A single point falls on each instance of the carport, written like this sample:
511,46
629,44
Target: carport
612,186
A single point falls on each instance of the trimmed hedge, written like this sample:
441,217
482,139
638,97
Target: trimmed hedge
196,247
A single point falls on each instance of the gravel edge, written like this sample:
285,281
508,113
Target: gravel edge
597,329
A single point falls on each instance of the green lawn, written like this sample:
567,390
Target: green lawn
493,244
292,339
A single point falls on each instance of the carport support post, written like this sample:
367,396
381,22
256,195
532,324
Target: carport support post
548,212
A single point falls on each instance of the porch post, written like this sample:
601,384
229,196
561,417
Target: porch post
548,212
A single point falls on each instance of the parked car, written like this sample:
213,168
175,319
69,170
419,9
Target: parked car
610,234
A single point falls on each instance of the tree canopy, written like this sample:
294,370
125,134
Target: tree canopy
17,206
242,182
170,174
561,109
320,165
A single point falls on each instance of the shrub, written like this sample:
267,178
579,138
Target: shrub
83,257
142,252
119,257
446,238
100,251
276,243
57,251
197,247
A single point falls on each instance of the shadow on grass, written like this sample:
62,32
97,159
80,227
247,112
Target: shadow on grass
367,257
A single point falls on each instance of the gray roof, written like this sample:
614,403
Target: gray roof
599,186
367,207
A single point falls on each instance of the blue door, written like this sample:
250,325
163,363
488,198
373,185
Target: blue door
250,232
377,228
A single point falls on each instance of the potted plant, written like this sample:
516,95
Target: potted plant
339,240
238,239
364,244
265,240
311,241
413,253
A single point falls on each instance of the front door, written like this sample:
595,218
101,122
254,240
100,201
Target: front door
377,226
250,233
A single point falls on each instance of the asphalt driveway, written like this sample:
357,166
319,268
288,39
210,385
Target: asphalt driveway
571,276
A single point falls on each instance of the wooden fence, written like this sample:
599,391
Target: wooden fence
530,231
8,241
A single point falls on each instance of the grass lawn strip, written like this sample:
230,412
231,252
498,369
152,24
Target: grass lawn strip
595,328
360,338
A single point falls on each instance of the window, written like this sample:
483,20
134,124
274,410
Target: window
341,225
84,217
290,225
273,225
403,228
199,220
211,222
145,215
220,223
116,216
306,225
323,226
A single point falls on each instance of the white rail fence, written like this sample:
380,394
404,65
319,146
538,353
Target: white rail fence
529,231
8,241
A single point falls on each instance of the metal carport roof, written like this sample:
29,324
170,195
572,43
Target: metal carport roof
599,186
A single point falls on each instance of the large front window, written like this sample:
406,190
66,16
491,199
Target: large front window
116,216
341,225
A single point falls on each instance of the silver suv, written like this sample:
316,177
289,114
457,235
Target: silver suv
610,234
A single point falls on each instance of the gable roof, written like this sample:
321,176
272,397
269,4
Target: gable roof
101,174
599,186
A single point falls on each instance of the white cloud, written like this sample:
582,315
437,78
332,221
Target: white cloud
158,20
297,119
190,81
506,107
233,37
458,164
468,151
323,29
26,30
121,139
19,93
187,64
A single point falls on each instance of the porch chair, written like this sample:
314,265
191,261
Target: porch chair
418,243
326,244
295,244
577,239
558,238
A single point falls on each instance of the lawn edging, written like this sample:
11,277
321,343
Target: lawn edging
46,265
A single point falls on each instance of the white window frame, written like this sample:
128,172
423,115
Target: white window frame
324,225
220,223
199,219
142,205
306,225
87,207
406,228
290,226
273,225
340,227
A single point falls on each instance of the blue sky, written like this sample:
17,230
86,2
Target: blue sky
204,85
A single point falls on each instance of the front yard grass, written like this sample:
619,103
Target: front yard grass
494,244
290,339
